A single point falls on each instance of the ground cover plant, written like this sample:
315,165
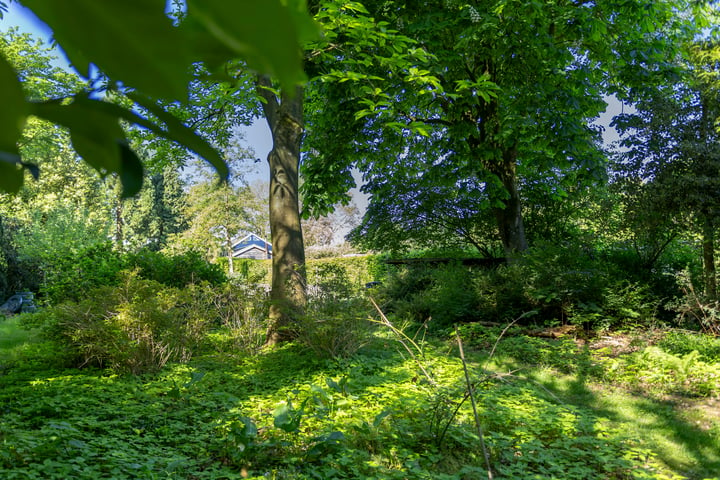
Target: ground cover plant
549,408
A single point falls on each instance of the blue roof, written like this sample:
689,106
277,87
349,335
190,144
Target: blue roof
252,240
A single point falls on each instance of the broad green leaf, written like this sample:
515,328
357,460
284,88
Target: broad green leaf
15,109
95,134
265,34
97,137
175,130
131,171
11,175
249,429
282,418
288,419
180,133
129,40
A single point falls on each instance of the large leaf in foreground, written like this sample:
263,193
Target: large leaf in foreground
129,40
15,111
98,138
267,35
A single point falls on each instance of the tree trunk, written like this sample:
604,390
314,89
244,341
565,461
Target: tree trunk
119,223
228,236
229,250
509,218
288,294
708,245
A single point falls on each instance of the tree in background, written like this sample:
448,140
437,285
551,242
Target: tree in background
324,231
216,212
153,55
520,83
156,213
352,43
669,163
66,208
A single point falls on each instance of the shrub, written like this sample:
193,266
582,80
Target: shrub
356,271
453,296
74,275
339,335
452,293
252,271
176,270
336,323
655,371
240,310
695,308
136,326
683,343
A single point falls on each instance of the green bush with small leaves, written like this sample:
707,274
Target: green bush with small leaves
73,276
337,322
679,342
177,270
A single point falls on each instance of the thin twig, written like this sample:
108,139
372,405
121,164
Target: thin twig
471,391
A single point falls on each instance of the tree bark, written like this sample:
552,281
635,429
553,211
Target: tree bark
228,237
708,246
229,250
509,219
288,294
119,222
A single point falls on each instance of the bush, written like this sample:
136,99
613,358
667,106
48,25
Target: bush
695,308
563,284
655,371
74,275
136,326
241,311
356,271
176,270
336,323
453,296
682,343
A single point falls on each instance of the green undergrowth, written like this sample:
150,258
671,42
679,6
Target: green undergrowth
548,409
14,341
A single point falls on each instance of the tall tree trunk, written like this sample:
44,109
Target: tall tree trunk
228,236
288,295
509,218
708,245
229,250
119,223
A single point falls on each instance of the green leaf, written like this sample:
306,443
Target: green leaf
131,171
249,429
95,134
12,121
380,417
129,40
178,132
15,108
265,34
288,419
97,137
11,175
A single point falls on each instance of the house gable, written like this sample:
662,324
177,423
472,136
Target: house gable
252,246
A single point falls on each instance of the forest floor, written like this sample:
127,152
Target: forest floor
636,405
